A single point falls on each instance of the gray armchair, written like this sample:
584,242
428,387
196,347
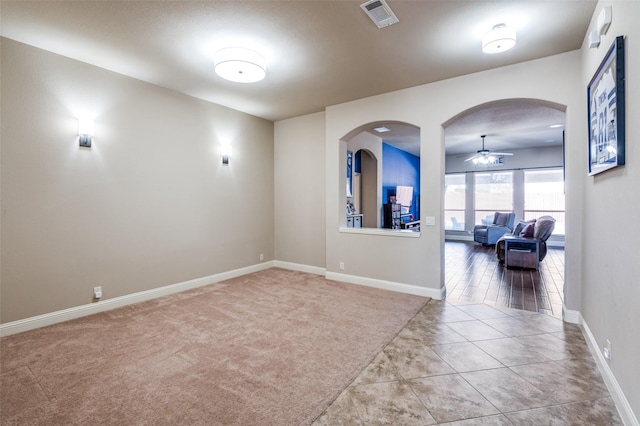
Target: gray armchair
490,234
542,229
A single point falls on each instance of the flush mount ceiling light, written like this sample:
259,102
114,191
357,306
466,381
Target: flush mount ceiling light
239,65
500,39
381,129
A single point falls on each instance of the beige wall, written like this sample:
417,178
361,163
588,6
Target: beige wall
299,190
149,205
610,300
419,261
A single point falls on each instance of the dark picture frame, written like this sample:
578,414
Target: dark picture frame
349,174
606,111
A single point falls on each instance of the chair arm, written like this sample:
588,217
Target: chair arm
494,232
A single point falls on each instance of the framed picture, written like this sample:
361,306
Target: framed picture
605,96
349,174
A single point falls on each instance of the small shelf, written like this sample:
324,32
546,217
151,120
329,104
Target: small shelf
412,226
354,221
392,216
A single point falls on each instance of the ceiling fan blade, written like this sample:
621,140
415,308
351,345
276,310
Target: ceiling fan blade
485,153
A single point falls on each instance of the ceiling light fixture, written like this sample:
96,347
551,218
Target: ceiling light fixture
500,39
381,129
239,65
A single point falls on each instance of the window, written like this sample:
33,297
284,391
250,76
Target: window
454,201
493,192
544,195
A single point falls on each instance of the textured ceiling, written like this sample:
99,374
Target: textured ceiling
510,124
318,53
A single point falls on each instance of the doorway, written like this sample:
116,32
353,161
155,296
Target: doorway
368,190
525,140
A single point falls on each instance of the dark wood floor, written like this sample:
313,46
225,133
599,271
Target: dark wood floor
473,275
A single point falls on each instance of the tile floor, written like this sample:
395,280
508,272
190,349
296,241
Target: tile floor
478,365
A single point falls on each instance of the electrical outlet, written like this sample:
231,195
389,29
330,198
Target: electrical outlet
97,292
607,350
342,266
261,257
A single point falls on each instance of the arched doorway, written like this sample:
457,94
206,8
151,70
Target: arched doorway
527,180
386,155
365,184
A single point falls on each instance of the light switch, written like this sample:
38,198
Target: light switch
430,221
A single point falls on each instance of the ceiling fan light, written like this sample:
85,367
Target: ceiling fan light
240,65
500,39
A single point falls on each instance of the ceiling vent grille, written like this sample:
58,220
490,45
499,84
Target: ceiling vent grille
379,12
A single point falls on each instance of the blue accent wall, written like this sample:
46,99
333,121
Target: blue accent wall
400,168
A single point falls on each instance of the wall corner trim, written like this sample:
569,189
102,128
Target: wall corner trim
620,400
299,267
570,316
386,285
56,317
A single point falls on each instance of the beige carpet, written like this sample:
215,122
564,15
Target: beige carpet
271,348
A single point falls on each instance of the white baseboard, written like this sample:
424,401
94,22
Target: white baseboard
117,302
570,316
622,404
56,317
556,241
458,236
386,285
369,282
299,267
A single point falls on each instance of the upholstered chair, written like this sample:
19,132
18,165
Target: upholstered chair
542,229
489,234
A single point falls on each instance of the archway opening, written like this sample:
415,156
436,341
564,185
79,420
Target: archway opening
383,169
520,171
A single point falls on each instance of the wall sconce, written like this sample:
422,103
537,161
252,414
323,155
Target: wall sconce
226,153
85,131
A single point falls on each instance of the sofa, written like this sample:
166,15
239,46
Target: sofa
489,234
536,229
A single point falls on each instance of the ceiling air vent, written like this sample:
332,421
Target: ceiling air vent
379,12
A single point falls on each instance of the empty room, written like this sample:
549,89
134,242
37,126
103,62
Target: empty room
272,212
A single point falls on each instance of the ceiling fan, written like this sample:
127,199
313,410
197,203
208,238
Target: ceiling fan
485,156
